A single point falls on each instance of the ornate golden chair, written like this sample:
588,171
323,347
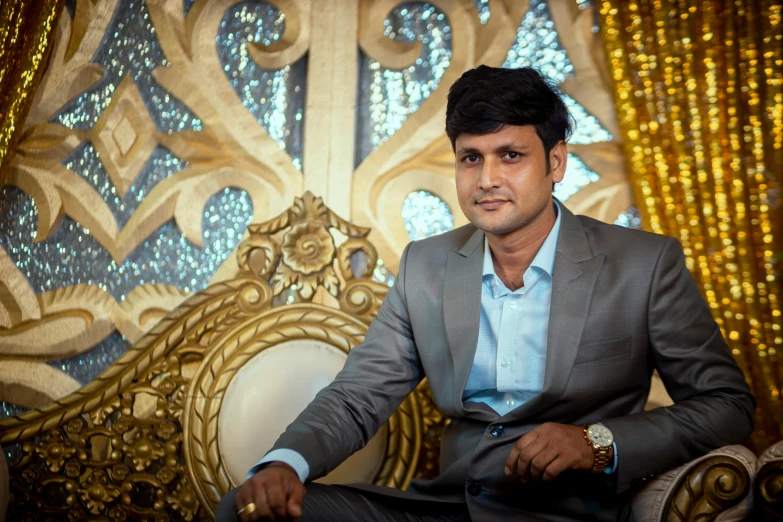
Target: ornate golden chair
177,421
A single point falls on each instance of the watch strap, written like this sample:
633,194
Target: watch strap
601,455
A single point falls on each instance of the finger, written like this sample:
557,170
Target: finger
296,498
262,511
243,497
276,499
541,461
527,455
513,457
555,468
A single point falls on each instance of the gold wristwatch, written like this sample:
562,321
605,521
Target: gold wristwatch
600,439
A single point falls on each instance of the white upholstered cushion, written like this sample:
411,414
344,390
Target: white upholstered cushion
267,394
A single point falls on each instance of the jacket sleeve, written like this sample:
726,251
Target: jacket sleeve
377,376
713,405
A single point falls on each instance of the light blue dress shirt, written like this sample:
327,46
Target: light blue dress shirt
508,368
510,361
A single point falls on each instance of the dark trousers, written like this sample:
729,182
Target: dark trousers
338,504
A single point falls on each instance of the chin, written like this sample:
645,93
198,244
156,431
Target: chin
494,227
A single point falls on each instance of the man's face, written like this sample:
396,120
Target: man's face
502,181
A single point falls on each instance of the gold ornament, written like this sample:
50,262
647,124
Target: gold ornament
307,248
183,501
143,450
55,450
98,491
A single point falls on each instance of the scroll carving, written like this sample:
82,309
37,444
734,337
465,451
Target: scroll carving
715,485
433,424
769,491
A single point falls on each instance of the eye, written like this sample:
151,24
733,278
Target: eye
512,155
471,158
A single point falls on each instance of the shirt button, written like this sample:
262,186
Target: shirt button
504,364
496,431
474,488
510,403
512,305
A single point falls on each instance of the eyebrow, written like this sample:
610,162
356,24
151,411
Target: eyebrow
500,148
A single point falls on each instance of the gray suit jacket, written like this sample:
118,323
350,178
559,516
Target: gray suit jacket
623,303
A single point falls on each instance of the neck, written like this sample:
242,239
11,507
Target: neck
513,252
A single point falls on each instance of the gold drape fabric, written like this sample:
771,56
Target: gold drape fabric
27,30
699,95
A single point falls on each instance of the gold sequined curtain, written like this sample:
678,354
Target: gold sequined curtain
27,30
699,95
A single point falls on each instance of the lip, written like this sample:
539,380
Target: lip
491,204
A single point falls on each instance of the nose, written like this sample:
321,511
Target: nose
490,177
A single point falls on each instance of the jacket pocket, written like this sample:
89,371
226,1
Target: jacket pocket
598,350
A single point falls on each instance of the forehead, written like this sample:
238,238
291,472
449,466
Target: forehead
517,135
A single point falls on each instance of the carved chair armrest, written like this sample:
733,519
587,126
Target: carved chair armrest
715,487
769,483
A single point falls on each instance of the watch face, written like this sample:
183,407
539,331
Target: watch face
600,435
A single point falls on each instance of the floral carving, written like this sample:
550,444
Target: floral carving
167,385
119,472
166,475
55,450
75,426
118,514
184,500
72,469
307,248
75,514
143,450
30,475
97,492
308,251
165,430
122,425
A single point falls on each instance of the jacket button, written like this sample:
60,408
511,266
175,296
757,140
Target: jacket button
474,488
496,431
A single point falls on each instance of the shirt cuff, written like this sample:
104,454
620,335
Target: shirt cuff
611,469
287,456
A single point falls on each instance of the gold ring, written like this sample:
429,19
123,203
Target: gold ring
247,509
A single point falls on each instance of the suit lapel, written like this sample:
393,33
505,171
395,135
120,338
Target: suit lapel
574,276
572,290
573,280
462,306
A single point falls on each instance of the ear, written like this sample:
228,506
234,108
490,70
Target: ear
558,157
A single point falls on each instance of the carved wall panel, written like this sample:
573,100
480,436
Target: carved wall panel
156,137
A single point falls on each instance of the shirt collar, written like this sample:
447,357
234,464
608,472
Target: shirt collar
545,258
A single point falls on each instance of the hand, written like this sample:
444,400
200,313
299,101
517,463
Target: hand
548,450
276,492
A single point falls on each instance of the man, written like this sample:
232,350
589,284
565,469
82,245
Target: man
538,330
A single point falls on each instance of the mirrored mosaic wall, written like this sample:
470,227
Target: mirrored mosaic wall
130,49
130,53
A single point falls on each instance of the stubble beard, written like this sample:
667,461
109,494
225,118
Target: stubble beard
510,223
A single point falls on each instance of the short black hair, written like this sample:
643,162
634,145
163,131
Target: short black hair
485,99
